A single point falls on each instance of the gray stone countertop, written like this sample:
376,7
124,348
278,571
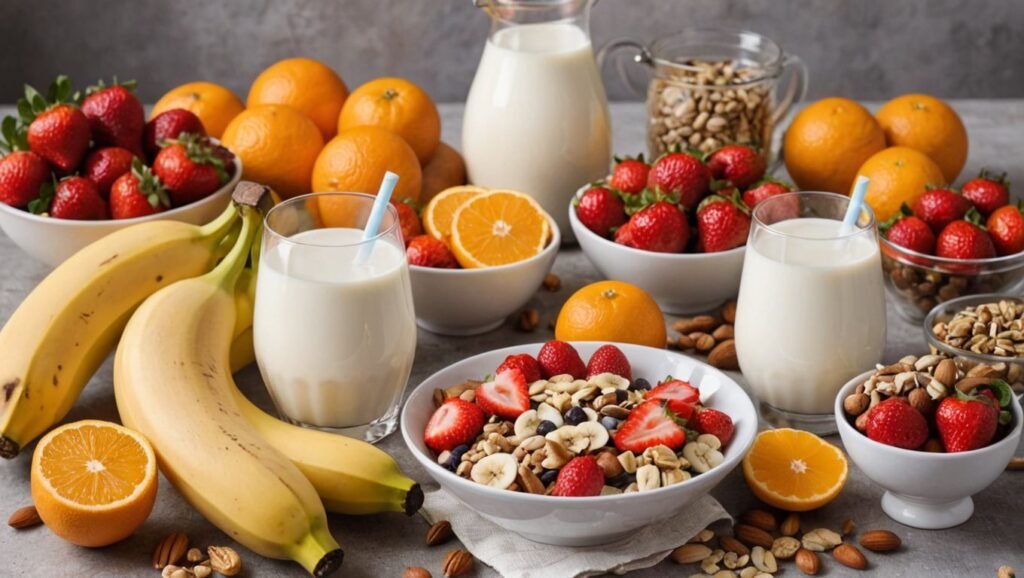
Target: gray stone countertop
383,545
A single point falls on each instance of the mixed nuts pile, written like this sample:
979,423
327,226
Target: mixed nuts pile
990,328
925,288
169,552
709,335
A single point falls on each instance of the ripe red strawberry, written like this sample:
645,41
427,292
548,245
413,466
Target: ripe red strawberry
681,397
169,125
115,116
714,422
964,240
987,191
609,359
558,357
739,164
57,129
661,227
912,233
682,176
579,478
940,207
1006,227
600,210
624,235
103,166
648,425
426,251
456,422
893,422
137,193
768,188
22,175
408,220
525,363
629,175
722,223
506,396
966,422
78,198
189,169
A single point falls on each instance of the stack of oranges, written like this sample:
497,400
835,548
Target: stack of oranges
301,130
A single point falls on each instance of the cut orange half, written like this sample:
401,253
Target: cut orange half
794,470
438,214
498,228
93,482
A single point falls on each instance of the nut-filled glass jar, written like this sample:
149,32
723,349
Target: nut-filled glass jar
713,87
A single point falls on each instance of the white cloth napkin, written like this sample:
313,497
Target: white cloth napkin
513,556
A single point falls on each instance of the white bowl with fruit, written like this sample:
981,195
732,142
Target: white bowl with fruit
675,228
929,481
587,476
101,145
460,290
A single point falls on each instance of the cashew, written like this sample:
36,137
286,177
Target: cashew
648,478
701,456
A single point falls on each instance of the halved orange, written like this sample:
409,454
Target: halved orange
438,214
497,228
794,470
93,482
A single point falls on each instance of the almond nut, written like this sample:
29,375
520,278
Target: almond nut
791,525
880,540
921,401
701,323
724,332
752,536
807,562
848,526
945,372
24,517
728,311
690,553
704,342
457,563
723,355
170,550
730,544
760,519
416,572
848,555
552,282
439,533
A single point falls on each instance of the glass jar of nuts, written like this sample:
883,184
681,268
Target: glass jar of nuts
713,87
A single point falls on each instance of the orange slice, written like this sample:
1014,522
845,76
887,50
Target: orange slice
93,482
498,228
794,470
438,214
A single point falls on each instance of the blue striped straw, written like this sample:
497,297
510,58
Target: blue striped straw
860,188
380,205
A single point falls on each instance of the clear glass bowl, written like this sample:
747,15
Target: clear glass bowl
919,282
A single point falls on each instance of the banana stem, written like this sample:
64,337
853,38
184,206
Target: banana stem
220,226
226,273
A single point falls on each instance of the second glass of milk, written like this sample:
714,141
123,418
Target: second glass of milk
334,328
811,312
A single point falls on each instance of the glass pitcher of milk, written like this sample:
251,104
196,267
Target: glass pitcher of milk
536,116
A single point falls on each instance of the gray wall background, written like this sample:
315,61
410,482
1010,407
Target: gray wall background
867,49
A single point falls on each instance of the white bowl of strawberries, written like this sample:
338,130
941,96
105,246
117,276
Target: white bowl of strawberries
677,227
570,453
77,172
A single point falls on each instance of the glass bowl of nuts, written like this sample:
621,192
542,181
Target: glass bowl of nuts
983,329
918,282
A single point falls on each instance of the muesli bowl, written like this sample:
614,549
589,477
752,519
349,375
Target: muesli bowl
584,521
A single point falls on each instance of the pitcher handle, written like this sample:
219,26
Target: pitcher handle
796,88
642,56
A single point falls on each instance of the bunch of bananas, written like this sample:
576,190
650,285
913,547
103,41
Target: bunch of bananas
176,301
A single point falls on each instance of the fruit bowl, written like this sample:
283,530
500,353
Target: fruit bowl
584,521
918,282
53,240
912,496
473,301
681,283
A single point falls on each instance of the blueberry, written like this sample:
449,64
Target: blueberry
451,465
640,383
548,476
458,451
575,416
609,422
620,395
545,427
622,480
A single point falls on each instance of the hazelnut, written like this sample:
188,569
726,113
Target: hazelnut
921,401
856,403
861,423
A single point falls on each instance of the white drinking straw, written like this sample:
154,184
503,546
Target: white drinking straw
853,210
380,204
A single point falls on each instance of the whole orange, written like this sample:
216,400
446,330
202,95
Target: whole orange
828,141
399,106
898,175
215,105
612,311
356,160
927,124
444,170
306,85
278,146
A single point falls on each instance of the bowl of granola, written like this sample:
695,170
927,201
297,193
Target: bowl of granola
570,453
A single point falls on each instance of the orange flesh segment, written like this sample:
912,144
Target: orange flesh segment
94,465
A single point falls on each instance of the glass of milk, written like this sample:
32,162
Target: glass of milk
335,336
811,312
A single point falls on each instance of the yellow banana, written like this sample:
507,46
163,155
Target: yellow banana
172,383
61,333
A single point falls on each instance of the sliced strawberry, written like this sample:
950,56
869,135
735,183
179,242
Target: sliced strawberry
506,396
609,359
648,425
578,478
523,362
682,398
714,422
456,422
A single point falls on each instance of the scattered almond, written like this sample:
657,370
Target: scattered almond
790,525
723,355
690,553
552,282
24,517
416,572
529,320
752,536
880,540
1016,463
684,342
701,323
848,555
730,544
807,562
728,311
224,560
170,550
703,537
848,526
457,563
760,519
724,332
439,533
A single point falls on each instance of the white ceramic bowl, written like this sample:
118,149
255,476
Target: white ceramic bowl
593,520
472,301
681,283
926,490
53,240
